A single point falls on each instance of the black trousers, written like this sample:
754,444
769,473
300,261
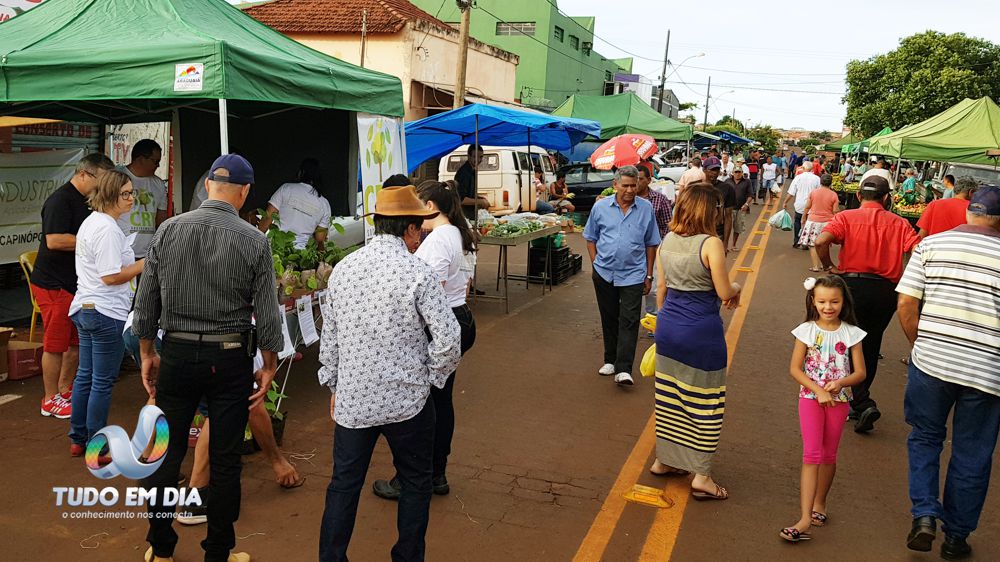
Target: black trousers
444,406
411,444
874,305
189,371
796,229
620,309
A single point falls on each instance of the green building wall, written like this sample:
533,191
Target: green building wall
545,76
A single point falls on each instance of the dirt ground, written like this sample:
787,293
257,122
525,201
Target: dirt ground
539,444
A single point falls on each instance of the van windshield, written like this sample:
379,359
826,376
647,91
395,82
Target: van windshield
982,175
491,162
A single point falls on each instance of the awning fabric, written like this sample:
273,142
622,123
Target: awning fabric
437,135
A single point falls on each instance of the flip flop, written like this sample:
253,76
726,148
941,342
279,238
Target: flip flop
818,519
791,534
720,494
296,484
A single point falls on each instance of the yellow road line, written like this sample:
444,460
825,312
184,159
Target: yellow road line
663,534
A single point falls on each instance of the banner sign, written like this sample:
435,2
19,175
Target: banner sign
26,181
121,138
382,151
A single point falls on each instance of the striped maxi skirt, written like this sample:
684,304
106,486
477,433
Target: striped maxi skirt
690,380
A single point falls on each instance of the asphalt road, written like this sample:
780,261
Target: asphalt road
541,443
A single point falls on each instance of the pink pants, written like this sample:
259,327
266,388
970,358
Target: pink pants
821,428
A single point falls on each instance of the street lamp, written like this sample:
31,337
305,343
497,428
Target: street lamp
664,76
708,95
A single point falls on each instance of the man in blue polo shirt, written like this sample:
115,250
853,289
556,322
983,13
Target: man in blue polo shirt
622,237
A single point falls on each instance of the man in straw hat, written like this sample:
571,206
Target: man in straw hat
380,364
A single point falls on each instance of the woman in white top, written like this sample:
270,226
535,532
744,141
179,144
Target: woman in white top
300,207
444,250
105,263
770,174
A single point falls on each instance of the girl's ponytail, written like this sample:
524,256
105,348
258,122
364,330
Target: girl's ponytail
446,198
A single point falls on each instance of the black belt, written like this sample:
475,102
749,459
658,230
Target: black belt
206,338
866,276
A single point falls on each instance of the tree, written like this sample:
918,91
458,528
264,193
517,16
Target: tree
713,129
728,120
928,73
687,106
809,144
769,139
825,136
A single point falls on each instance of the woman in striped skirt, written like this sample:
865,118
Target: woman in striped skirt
690,344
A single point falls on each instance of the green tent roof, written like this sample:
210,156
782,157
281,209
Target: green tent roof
961,134
841,142
863,145
624,113
120,60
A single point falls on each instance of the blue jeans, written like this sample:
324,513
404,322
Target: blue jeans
975,424
132,346
101,350
544,207
411,442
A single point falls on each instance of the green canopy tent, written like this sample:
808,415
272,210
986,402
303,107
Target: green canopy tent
121,61
859,147
624,113
835,146
962,133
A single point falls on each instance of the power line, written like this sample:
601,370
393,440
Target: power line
768,73
441,7
596,36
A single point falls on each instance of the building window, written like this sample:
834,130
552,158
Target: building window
557,32
608,76
516,28
587,47
574,42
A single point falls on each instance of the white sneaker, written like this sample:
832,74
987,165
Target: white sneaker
607,370
624,379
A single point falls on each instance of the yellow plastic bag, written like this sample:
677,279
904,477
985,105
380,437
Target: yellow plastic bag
649,322
648,365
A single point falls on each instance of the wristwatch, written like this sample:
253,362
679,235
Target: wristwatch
649,278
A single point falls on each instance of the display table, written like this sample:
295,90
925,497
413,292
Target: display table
502,273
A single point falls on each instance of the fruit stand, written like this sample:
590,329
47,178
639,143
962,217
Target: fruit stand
508,234
907,210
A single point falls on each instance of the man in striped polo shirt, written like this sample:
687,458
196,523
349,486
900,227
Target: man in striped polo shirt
955,364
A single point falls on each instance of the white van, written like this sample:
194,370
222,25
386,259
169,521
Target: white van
506,177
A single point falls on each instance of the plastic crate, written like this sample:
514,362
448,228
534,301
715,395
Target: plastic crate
579,218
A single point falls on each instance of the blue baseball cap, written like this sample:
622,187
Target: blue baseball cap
985,201
240,172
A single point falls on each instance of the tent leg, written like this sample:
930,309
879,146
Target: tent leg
475,195
223,127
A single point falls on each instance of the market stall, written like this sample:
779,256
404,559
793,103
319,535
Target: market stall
624,113
505,238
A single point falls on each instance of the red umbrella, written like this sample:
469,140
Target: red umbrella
623,150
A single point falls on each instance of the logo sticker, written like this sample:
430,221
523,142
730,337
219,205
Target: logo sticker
124,453
189,77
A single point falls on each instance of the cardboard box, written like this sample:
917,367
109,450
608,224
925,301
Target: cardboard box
24,359
5,334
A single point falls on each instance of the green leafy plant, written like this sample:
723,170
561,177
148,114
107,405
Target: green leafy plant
271,401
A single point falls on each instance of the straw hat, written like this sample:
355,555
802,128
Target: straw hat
400,202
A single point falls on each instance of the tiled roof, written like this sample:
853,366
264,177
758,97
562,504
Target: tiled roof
338,16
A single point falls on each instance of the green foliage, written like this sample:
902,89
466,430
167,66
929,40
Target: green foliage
728,120
271,401
825,136
809,144
769,139
713,129
928,73
337,226
687,106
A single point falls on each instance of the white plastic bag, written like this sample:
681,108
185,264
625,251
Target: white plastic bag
781,220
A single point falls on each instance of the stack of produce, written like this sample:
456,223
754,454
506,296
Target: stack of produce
905,206
302,271
851,187
838,183
510,229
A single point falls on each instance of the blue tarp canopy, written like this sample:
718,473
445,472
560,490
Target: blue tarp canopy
702,140
437,135
735,139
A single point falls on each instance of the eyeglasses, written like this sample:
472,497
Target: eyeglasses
127,195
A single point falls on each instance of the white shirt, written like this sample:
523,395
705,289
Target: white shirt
150,195
200,193
727,170
301,210
770,171
102,249
442,250
879,172
801,187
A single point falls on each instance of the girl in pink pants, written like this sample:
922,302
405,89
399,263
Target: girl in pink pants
827,346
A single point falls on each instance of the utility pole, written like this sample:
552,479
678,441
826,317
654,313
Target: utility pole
708,92
463,52
663,77
364,35
734,120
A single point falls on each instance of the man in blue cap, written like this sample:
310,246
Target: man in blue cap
948,302
208,273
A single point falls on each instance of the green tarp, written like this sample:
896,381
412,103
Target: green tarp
624,113
128,60
961,134
859,147
836,145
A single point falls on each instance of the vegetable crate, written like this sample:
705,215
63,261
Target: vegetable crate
563,265
579,219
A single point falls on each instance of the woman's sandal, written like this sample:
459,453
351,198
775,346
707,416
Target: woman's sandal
720,494
818,519
791,534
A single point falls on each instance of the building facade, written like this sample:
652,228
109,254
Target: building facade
671,105
401,40
557,52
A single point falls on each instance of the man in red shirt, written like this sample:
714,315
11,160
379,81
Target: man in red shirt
873,242
818,165
945,214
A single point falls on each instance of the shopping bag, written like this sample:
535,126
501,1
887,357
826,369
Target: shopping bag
648,365
781,220
776,189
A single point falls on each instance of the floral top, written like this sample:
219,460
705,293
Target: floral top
828,356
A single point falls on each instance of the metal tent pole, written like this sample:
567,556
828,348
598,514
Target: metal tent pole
223,127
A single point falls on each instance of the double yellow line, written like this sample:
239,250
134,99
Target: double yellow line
663,534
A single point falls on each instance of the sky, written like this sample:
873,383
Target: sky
805,49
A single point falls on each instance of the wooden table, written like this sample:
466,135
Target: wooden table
502,272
